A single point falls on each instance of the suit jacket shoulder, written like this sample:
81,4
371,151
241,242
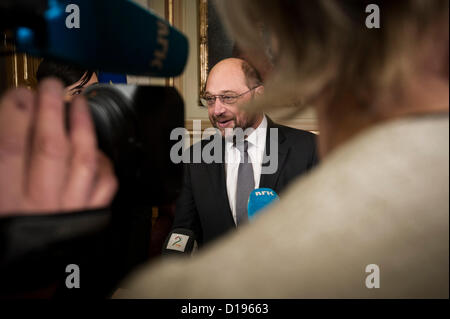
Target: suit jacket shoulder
301,142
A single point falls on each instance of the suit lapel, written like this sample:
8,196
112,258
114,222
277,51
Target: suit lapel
218,180
270,180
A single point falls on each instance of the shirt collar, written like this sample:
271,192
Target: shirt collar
259,134
256,137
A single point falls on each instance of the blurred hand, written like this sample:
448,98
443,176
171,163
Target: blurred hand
42,167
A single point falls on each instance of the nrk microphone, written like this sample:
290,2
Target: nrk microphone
259,199
116,36
180,241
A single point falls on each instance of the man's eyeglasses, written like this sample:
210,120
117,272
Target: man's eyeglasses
209,100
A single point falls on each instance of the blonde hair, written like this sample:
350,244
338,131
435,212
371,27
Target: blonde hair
323,44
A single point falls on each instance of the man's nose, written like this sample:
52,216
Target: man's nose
219,108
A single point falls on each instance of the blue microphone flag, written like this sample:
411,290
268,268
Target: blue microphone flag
259,199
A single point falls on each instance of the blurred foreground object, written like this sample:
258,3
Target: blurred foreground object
46,172
115,36
47,169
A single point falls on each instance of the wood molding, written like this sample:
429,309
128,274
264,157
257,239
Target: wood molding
203,44
18,69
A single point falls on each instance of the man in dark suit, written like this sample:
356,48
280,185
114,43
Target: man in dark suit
214,195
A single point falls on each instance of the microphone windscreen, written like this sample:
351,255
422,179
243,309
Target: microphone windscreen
259,199
117,36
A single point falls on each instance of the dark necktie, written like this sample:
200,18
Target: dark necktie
245,184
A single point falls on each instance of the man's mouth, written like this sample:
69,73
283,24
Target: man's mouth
224,123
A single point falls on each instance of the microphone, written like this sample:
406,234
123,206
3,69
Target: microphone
116,36
259,199
180,241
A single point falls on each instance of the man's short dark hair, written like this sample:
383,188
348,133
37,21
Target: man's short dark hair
67,73
252,76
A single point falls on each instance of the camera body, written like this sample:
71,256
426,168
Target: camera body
133,126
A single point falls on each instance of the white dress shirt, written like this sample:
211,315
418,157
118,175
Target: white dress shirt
256,145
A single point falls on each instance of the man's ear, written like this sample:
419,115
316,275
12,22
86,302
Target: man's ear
260,90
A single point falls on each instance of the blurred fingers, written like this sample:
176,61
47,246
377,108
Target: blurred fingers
106,183
48,165
84,159
16,113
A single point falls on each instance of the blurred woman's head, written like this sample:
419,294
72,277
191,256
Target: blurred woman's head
325,55
75,79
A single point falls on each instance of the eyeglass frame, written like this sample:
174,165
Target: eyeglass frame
221,96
